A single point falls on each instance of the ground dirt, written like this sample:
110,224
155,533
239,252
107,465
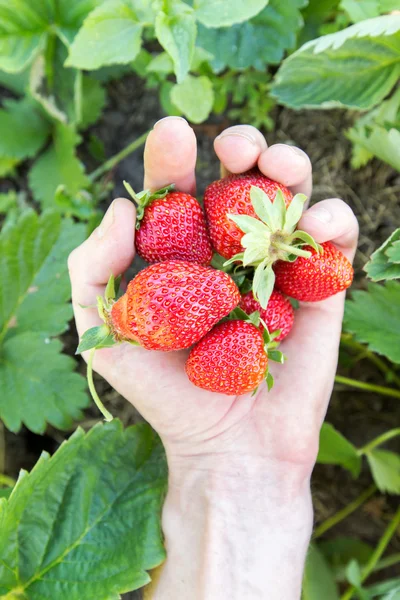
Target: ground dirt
373,193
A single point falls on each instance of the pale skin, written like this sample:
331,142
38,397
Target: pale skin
238,516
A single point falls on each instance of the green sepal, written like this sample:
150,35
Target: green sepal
254,318
270,381
218,262
249,224
266,334
264,209
110,293
294,212
276,356
236,258
146,197
246,286
307,239
95,337
237,314
263,283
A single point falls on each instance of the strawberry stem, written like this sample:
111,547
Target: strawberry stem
107,415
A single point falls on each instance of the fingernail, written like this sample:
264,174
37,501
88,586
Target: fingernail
293,150
237,134
169,119
107,221
321,214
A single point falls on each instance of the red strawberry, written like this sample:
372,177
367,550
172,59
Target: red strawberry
171,226
231,195
279,313
230,359
174,228
315,278
172,305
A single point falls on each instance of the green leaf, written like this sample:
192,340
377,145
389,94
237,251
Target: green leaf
334,449
110,34
8,201
255,43
91,514
162,63
23,32
374,318
356,67
93,101
359,10
70,16
23,129
176,32
341,550
37,382
354,576
389,587
5,492
379,142
383,263
385,468
59,165
318,581
7,165
194,97
16,82
219,13
94,337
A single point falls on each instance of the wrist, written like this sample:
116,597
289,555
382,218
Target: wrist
234,528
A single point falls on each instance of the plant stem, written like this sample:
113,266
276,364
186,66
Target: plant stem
78,97
348,341
107,415
370,387
388,435
389,561
345,512
114,160
379,550
7,481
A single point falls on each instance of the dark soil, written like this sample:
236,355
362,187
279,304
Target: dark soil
373,193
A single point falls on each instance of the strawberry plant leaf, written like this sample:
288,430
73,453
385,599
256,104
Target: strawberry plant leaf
5,492
341,550
383,263
8,201
23,32
16,82
318,580
377,141
91,513
93,101
176,32
385,468
335,449
57,166
23,129
110,34
320,73
359,11
219,13
37,381
194,97
373,317
257,42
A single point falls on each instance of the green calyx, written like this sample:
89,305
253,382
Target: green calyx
271,237
146,197
270,343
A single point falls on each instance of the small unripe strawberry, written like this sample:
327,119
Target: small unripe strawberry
279,313
231,359
316,278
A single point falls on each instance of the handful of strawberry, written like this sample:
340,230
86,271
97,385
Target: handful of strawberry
181,302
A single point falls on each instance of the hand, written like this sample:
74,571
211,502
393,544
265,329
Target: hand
274,433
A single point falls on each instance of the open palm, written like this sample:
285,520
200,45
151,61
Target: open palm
282,424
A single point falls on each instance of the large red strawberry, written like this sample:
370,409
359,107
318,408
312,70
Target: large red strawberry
279,313
312,279
172,305
230,359
231,195
171,226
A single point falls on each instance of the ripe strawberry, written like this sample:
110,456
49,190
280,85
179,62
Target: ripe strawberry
230,359
172,305
231,195
279,313
315,278
174,228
